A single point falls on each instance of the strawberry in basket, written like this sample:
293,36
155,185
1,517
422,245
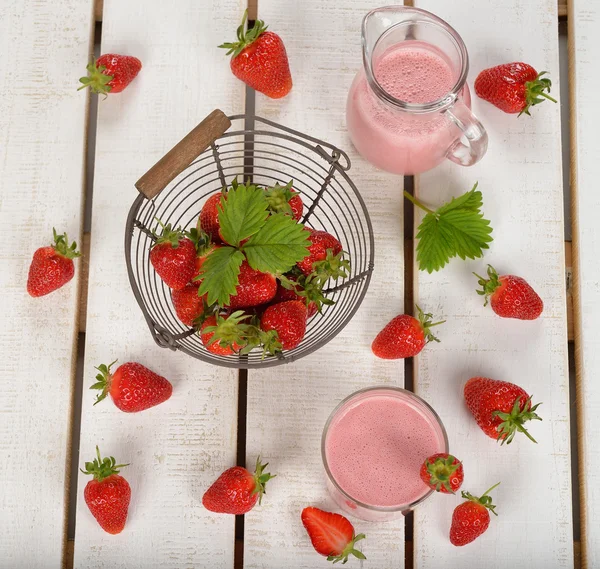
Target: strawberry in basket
266,274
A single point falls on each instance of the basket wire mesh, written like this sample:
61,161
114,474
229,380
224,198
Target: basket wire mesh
265,153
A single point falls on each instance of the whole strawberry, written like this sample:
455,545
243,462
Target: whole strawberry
225,335
283,199
208,221
471,518
173,257
500,408
253,288
321,243
132,387
52,266
260,60
237,490
188,305
404,336
108,494
111,73
443,473
332,535
513,87
288,319
510,296
292,293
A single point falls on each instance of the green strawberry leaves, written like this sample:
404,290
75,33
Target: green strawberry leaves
270,243
279,244
457,228
220,274
242,214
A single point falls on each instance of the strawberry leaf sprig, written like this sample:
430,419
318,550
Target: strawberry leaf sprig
457,228
269,242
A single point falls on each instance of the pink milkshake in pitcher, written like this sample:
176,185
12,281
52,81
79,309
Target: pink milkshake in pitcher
409,108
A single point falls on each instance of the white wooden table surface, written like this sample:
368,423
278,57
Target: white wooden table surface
176,450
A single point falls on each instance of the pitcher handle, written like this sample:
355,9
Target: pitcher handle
470,147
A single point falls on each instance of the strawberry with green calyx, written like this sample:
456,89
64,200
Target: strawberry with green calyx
456,229
471,518
259,59
405,336
500,408
108,494
513,87
309,289
225,335
510,296
332,535
236,491
111,73
283,199
132,386
52,266
208,221
323,246
288,319
443,473
173,256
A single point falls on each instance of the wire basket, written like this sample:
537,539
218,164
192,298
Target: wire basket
255,149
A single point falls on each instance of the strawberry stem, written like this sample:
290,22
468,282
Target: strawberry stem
535,92
513,422
96,79
489,285
261,478
103,381
440,471
426,324
416,202
61,246
245,37
349,550
485,500
102,468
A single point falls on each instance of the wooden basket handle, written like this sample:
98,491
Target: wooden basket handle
183,154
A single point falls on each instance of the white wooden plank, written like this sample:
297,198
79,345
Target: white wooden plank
288,405
44,46
176,450
521,183
583,49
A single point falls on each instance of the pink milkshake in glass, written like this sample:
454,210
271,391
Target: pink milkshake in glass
373,446
409,108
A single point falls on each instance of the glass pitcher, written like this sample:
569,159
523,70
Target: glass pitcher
409,108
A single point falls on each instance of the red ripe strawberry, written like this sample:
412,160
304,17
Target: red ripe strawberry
500,408
510,296
321,243
253,288
513,87
288,319
331,535
283,199
471,518
111,73
132,387
404,336
52,266
260,60
442,472
236,491
108,494
173,257
209,216
284,294
188,305
203,254
224,335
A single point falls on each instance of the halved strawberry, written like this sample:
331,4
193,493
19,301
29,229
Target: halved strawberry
331,534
